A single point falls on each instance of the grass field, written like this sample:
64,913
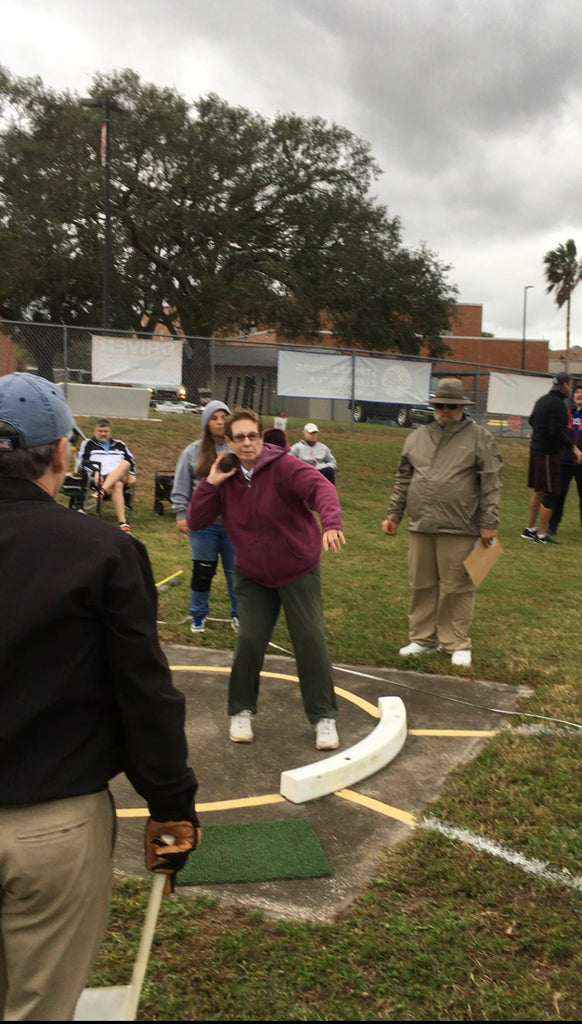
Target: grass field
444,931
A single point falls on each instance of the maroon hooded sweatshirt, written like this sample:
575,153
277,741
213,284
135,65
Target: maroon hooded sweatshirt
269,519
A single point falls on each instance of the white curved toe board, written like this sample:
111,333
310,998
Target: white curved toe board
349,766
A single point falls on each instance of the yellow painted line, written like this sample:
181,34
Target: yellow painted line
377,806
132,812
359,702
276,798
198,668
364,705
452,732
218,805
243,801
172,577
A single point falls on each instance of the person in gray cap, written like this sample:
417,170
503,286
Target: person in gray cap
85,693
448,480
549,436
206,545
315,453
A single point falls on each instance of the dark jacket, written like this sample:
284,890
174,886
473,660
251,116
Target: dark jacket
575,431
549,423
275,535
85,689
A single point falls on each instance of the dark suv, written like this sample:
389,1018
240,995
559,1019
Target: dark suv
403,415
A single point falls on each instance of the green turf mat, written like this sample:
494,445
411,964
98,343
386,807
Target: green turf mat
255,852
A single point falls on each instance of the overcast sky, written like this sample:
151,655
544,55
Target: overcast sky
471,108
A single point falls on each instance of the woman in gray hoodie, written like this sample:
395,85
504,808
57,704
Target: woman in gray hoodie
194,465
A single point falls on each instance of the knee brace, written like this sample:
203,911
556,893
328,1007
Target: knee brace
550,501
202,573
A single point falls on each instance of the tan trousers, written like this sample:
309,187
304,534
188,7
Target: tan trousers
443,595
56,871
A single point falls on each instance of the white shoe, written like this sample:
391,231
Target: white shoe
462,658
326,737
241,730
415,649
234,623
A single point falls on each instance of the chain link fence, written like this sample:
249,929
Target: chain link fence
237,371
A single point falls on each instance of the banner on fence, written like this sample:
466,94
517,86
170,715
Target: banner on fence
136,361
515,393
329,375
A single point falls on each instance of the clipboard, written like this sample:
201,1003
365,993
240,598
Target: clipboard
482,559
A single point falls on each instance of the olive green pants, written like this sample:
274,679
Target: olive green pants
258,609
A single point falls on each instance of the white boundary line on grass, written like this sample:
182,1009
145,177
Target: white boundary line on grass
535,867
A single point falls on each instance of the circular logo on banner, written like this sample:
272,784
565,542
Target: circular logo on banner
396,381
514,422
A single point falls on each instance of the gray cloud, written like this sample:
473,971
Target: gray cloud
470,107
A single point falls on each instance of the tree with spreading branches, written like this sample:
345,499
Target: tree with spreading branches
228,218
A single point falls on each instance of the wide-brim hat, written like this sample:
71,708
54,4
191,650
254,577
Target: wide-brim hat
450,391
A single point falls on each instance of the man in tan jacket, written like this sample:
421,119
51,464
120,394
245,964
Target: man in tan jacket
448,481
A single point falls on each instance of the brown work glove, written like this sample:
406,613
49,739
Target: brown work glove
167,845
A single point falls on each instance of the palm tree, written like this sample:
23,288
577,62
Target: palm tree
563,273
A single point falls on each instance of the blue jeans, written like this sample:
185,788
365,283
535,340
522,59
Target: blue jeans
206,545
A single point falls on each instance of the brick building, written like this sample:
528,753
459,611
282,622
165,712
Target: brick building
468,347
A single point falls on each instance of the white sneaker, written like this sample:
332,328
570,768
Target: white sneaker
241,730
326,737
462,658
415,649
234,623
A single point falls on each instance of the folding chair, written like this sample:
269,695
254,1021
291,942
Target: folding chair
162,491
95,498
77,487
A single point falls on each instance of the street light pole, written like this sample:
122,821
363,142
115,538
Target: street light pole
525,290
107,105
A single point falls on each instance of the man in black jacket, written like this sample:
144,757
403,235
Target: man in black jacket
85,693
550,434
569,468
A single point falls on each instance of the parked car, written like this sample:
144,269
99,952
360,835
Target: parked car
403,415
160,393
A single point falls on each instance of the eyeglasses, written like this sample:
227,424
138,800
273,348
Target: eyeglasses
444,405
239,438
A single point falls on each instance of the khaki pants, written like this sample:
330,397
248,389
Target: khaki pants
56,871
443,595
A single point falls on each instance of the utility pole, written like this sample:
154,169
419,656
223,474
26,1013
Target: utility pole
107,104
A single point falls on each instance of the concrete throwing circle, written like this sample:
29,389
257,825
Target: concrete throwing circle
448,719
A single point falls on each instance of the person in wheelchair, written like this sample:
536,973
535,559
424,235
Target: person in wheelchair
112,466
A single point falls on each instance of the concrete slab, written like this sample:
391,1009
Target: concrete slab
448,720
